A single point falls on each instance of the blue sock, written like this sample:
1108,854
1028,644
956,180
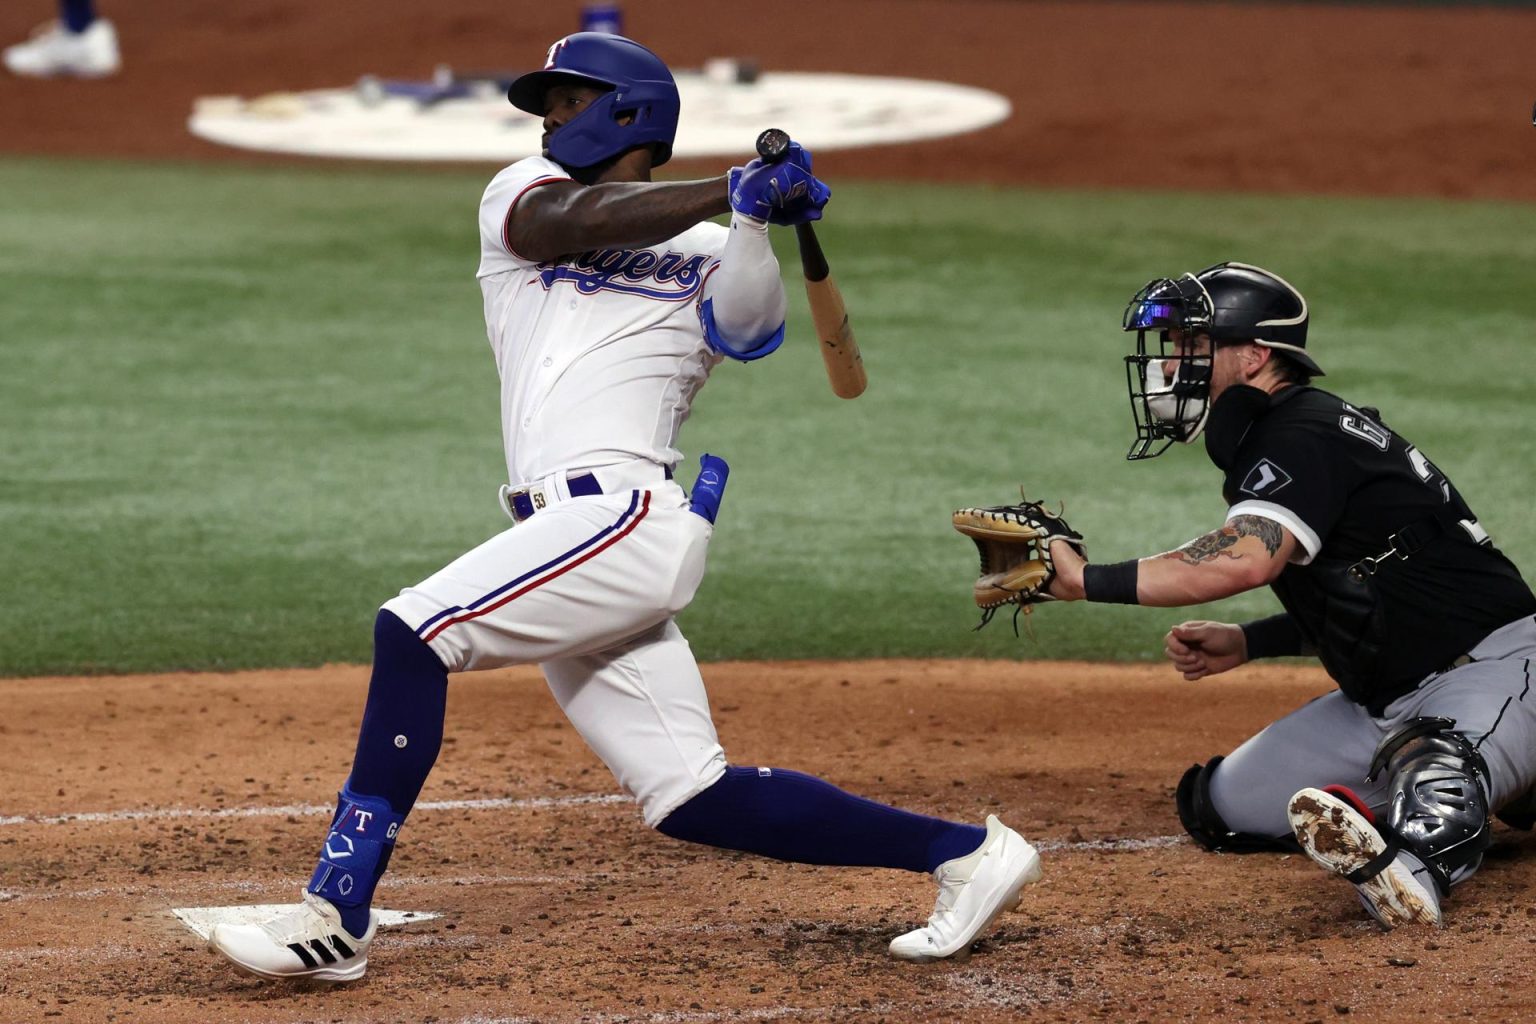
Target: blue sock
792,816
77,15
401,735
402,728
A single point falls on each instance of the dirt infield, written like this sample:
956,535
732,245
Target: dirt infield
1304,98
127,797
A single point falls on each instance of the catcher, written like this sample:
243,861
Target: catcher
1384,574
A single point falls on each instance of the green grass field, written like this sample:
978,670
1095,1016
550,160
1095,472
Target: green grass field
242,407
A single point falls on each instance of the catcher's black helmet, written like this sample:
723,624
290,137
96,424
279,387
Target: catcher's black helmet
1229,302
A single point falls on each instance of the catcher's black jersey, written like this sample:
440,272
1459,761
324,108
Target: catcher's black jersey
1344,484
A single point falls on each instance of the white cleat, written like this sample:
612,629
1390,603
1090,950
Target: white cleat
1337,830
307,943
974,891
55,50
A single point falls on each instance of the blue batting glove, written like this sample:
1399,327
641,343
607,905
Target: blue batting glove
780,193
811,209
804,210
798,155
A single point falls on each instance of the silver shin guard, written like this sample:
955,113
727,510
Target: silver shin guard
1437,783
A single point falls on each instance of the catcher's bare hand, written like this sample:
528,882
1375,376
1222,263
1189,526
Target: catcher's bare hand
1067,584
1200,648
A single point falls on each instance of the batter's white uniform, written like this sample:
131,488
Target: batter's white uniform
600,357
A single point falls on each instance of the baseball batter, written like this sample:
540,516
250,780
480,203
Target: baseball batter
1384,573
609,299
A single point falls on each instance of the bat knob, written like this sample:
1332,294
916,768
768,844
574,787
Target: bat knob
773,144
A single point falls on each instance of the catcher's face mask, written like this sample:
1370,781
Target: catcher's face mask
1169,381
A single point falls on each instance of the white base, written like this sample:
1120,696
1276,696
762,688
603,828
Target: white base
200,920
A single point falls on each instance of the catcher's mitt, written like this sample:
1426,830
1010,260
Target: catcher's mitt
1015,546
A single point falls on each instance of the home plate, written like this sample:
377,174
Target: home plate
202,919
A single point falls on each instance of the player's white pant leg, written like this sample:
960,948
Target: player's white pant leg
1493,702
1326,742
579,576
642,709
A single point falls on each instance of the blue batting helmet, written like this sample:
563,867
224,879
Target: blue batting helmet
640,89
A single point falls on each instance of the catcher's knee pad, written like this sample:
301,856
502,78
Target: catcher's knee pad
1205,824
1438,796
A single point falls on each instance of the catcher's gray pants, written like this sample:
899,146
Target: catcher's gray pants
1330,741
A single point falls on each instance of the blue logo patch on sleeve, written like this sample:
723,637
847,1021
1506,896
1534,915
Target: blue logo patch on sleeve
1265,478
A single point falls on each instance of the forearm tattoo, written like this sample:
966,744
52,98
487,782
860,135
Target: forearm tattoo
1217,543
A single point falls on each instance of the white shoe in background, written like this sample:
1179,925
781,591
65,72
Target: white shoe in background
54,50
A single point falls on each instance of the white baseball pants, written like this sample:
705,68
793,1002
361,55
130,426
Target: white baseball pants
587,588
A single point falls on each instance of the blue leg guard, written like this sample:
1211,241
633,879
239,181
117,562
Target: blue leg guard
355,855
796,817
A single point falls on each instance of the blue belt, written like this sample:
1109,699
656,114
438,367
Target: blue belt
524,503
521,503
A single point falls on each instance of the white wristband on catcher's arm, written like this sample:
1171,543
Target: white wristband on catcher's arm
744,296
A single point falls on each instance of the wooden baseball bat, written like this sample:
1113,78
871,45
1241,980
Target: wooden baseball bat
829,314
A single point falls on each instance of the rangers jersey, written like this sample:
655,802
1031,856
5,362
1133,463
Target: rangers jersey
600,353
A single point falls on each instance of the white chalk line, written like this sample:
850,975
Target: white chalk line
305,810
703,1016
1131,845
261,887
1122,845
407,882
1126,845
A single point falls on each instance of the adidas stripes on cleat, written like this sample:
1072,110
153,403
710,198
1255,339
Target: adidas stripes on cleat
305,943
